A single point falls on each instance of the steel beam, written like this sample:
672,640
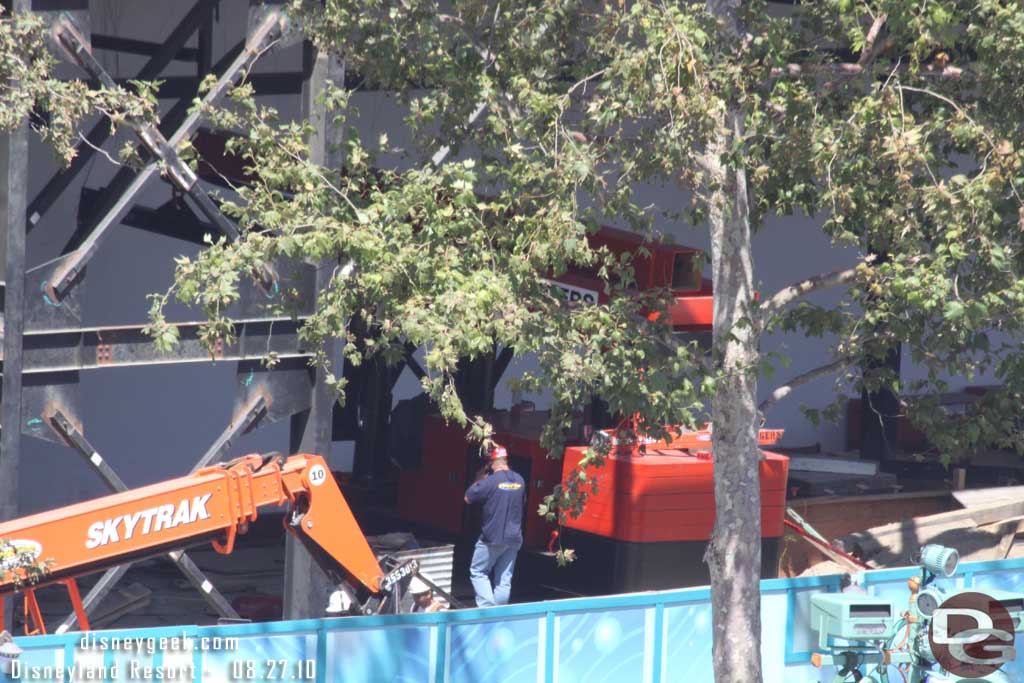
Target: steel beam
109,195
140,47
74,437
410,360
101,131
268,83
242,423
53,351
13,198
173,167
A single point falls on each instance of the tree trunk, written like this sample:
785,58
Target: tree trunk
734,555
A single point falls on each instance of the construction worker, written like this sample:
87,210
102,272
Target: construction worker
503,495
423,597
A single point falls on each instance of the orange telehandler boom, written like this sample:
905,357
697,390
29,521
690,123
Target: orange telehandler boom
215,504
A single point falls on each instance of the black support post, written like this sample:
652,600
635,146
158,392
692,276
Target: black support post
306,586
374,401
880,411
204,42
13,202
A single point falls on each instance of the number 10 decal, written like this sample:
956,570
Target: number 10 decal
317,475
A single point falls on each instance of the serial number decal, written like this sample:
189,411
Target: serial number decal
397,575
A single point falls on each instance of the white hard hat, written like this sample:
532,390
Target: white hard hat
417,586
8,648
9,651
339,602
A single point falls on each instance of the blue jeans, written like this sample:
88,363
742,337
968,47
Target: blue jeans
498,559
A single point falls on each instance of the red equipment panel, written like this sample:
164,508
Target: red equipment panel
693,312
667,495
433,493
665,265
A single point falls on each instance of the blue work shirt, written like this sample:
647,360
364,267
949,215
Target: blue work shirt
503,494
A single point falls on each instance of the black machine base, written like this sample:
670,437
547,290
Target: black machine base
605,566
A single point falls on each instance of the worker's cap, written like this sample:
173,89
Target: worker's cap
497,452
418,587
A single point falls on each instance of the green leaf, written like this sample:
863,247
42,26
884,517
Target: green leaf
954,310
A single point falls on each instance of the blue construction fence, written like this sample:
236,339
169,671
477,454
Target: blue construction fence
643,637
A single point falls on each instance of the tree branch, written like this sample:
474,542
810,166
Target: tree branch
789,294
839,69
868,53
849,70
785,390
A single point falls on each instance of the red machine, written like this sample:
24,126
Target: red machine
213,505
667,265
645,527
650,516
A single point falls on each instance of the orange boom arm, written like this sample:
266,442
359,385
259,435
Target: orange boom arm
214,504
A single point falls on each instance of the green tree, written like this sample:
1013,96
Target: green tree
21,566
892,123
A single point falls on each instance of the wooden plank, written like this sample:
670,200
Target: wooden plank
833,465
922,527
1010,531
873,497
982,497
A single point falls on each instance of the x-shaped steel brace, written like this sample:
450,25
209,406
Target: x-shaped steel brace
162,149
253,410
177,170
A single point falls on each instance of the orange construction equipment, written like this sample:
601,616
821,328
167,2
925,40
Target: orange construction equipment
215,505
